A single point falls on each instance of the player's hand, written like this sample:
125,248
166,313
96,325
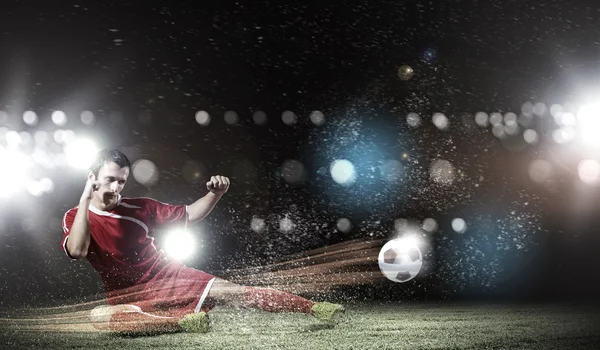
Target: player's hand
92,185
218,184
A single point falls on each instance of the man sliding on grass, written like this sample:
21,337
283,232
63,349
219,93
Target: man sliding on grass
147,291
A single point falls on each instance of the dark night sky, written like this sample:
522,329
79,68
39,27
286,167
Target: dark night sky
168,61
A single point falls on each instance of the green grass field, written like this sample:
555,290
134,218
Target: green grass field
399,326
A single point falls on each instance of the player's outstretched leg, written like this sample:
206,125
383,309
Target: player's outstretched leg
131,319
270,300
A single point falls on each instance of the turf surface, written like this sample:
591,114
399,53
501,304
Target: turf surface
398,326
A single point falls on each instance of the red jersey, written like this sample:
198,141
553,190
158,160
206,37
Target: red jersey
131,264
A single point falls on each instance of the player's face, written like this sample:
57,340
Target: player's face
112,179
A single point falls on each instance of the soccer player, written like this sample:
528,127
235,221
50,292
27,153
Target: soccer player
146,290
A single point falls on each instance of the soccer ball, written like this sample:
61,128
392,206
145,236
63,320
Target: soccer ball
400,259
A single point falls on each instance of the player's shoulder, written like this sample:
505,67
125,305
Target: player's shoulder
71,211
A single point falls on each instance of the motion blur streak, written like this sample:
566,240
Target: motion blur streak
309,273
348,263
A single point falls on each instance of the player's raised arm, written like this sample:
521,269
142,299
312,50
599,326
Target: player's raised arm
79,235
217,186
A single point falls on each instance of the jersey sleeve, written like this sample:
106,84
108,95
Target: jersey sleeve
67,223
165,214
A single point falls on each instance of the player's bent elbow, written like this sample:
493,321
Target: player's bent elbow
78,254
75,253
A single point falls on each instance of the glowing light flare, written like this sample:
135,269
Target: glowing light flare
30,118
440,121
180,244
145,172
258,225
343,172
413,120
80,153
531,136
589,171
15,177
589,119
317,118
202,118
482,119
344,225
430,225
459,225
59,118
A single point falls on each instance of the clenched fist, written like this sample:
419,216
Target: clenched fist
218,184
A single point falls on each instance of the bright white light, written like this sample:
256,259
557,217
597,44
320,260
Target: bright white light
30,118
47,185
531,136
14,177
482,119
202,118
180,245
563,135
343,172
440,121
407,242
496,118
13,139
145,172
589,119
510,118
35,188
430,225
59,118
589,171
41,137
80,153
459,225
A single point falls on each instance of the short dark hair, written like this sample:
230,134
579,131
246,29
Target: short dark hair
107,156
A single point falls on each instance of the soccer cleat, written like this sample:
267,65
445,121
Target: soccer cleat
328,312
195,323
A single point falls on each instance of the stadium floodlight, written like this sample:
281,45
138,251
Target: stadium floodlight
15,171
180,244
80,153
589,122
